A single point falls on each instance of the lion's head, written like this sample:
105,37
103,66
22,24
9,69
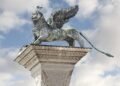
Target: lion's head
37,14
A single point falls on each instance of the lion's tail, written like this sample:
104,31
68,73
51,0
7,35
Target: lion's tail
107,54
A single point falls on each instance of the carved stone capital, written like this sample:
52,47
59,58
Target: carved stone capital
51,65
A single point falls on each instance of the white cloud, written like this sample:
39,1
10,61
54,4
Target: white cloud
90,75
10,10
86,7
22,5
72,2
12,73
90,72
9,20
106,38
4,78
22,82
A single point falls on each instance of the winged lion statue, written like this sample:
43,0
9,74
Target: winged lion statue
50,30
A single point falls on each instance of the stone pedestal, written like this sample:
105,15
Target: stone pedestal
51,65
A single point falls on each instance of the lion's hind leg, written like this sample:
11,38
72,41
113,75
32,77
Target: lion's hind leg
76,36
70,41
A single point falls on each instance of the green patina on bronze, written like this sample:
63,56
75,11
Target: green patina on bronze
51,30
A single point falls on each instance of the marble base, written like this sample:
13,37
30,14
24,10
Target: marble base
51,65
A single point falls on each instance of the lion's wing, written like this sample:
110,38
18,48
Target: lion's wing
60,17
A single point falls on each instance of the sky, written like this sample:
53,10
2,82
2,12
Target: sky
97,19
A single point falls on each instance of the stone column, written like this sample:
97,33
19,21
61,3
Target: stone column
51,65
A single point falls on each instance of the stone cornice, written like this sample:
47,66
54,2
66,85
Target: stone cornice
35,54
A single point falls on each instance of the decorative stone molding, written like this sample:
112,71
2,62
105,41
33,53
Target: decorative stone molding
51,65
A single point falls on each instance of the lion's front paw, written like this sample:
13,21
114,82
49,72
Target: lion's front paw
33,43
